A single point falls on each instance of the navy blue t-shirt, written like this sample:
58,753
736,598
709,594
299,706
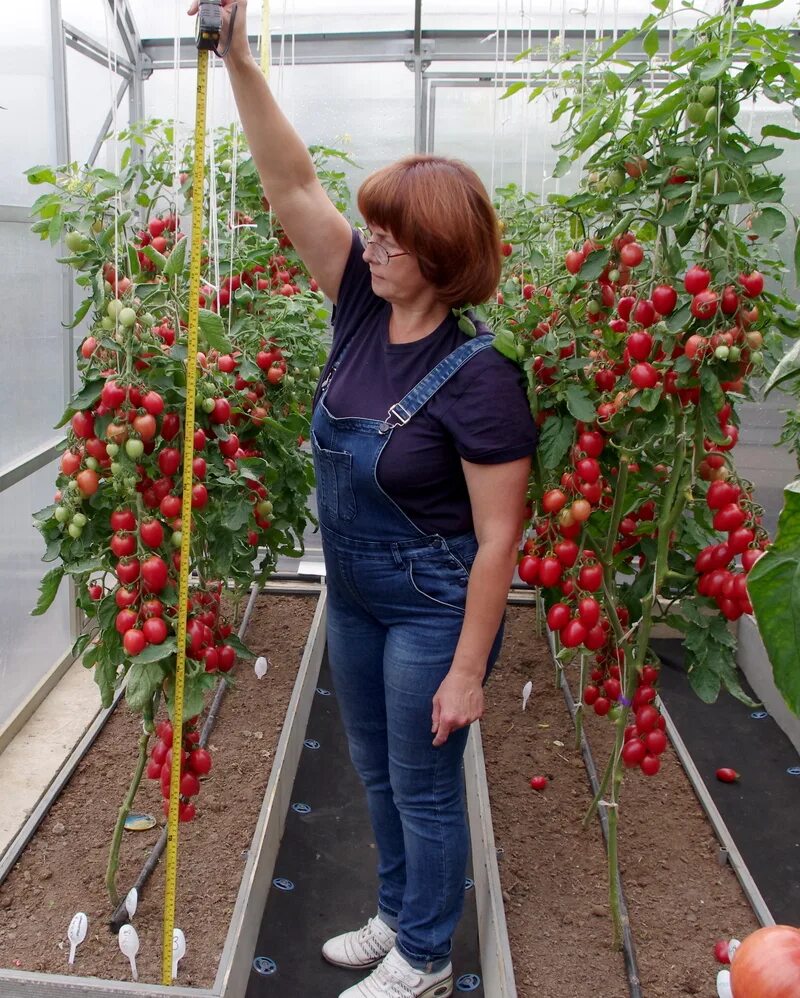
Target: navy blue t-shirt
481,414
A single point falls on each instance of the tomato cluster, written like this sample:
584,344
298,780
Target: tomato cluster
161,235
195,763
716,565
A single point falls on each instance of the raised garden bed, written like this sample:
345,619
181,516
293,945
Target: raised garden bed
553,874
224,854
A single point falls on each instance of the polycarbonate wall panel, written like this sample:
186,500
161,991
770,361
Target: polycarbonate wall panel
31,338
29,646
26,93
506,141
365,109
84,76
95,19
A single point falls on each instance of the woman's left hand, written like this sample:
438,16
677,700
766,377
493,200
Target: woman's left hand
457,703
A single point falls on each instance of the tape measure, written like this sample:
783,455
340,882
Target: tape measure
198,181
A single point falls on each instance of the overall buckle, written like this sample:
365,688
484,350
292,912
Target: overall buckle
396,416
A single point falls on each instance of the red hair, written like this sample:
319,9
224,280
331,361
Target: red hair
438,210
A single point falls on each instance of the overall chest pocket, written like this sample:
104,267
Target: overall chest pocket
334,470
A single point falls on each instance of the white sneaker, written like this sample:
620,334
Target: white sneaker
362,948
396,978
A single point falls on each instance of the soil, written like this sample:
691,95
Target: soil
553,874
62,870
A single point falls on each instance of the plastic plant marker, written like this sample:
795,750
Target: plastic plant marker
724,984
129,944
76,933
178,950
139,822
527,689
132,902
733,945
261,667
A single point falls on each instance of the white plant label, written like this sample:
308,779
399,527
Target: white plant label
76,933
129,944
527,689
733,945
261,667
724,984
132,902
178,950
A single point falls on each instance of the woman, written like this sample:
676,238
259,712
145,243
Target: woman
422,442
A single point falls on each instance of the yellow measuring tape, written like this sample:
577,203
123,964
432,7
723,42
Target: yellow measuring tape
198,180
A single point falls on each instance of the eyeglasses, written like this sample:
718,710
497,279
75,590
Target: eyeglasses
379,252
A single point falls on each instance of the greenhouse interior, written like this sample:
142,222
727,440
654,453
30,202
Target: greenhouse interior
519,716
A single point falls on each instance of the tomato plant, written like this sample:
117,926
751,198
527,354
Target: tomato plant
115,525
642,307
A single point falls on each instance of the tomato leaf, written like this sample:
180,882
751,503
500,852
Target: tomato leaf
40,175
155,257
594,265
562,167
81,643
80,315
213,330
239,647
82,567
555,440
774,587
675,216
779,132
83,399
769,223
176,260
144,679
580,404
650,42
48,588
761,154
156,653
788,367
513,89
504,343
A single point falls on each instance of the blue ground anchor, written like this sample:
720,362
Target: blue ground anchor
323,692
264,966
311,743
301,808
468,982
759,715
283,884
469,883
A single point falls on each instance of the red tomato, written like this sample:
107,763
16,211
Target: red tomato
644,313
199,762
199,467
589,612
227,658
567,552
767,963
704,304
549,572
650,765
644,376
631,255
88,482
697,279
134,642
170,426
590,577
588,469
153,403
553,501
230,446
70,462
558,616
221,412
145,426
664,298
152,608
154,573
726,775
656,742
639,345
170,506
123,545
573,634
573,261
753,284
633,752
199,496
124,621
529,569
591,443
539,783
155,630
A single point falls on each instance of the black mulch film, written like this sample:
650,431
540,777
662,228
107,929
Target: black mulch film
762,810
324,881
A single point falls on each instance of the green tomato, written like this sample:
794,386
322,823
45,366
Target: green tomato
112,450
711,115
616,178
74,531
131,481
613,276
722,352
687,164
107,323
707,95
134,449
696,113
756,358
127,317
116,468
114,307
147,320
709,181
75,241
207,405
264,508
80,520
93,463
288,380
226,166
731,108
314,372
61,514
593,307
177,538
734,353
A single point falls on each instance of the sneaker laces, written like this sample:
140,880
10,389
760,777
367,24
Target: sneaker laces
398,979
369,937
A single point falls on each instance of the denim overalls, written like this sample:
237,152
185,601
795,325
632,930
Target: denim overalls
396,601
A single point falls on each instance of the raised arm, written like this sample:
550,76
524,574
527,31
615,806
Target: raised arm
321,236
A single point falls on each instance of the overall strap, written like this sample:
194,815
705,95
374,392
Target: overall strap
401,412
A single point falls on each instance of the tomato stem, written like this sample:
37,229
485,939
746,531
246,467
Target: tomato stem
124,811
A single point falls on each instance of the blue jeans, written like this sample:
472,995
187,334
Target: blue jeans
395,612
